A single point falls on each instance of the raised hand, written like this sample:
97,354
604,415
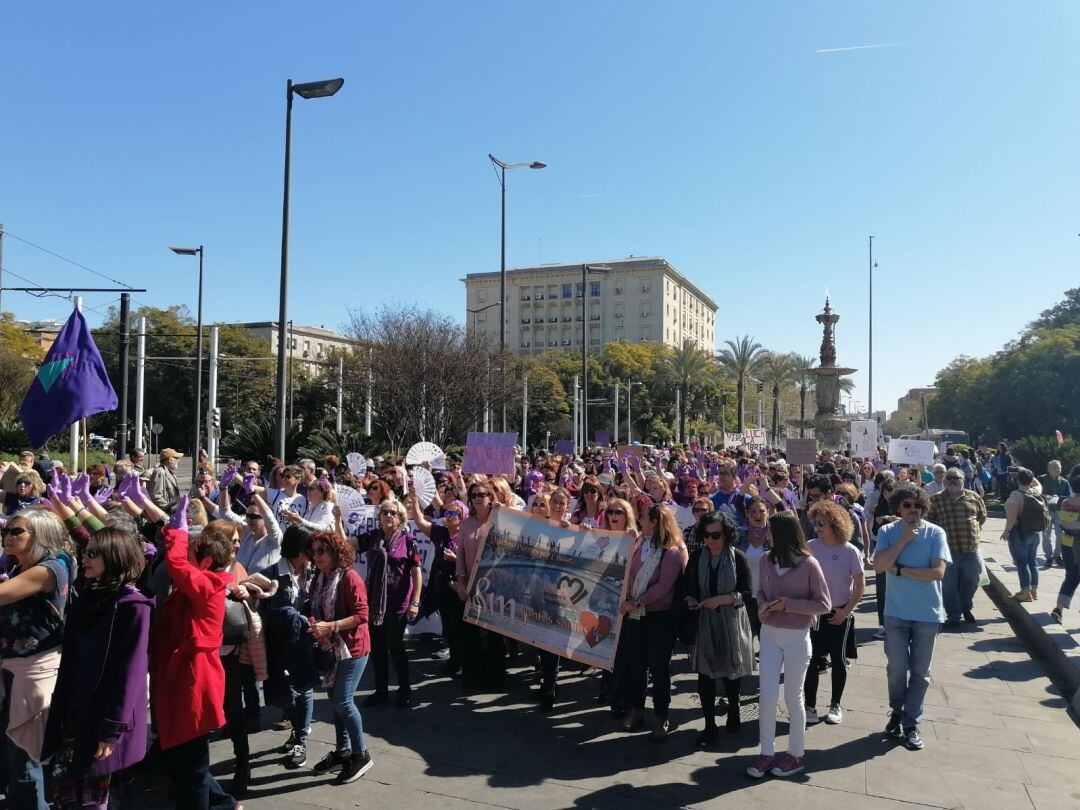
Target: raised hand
139,494
80,487
103,495
227,478
179,516
128,486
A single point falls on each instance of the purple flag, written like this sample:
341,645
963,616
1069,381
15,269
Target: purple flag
71,384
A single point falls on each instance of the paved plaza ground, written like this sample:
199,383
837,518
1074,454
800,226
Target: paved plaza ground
998,735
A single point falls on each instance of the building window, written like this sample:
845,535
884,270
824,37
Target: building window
580,289
645,333
567,291
481,295
594,289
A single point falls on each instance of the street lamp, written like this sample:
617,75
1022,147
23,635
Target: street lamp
184,251
870,339
629,419
308,90
500,172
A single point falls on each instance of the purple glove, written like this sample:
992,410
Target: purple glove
227,478
138,493
607,467
127,486
179,516
103,495
80,488
249,482
55,480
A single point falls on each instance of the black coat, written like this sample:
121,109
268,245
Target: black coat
689,586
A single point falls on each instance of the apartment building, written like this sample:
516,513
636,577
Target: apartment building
310,345
549,306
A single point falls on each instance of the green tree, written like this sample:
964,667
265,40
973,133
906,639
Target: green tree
687,366
740,358
804,383
20,357
777,371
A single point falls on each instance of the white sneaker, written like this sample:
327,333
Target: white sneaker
835,716
812,718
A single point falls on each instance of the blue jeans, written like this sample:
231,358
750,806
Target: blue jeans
960,583
1072,575
25,779
909,648
1052,545
1023,548
348,728
300,716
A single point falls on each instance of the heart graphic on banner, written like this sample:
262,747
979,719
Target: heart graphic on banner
579,591
602,542
596,627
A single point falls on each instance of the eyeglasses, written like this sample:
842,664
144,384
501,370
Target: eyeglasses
14,530
714,535
475,496
909,505
388,512
91,553
956,479
318,551
24,484
451,513
820,524
615,512
253,516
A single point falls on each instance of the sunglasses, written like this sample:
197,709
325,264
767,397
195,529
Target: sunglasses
714,535
478,495
91,553
909,505
451,513
14,530
388,512
24,484
954,479
318,551
589,491
253,516
819,524
614,512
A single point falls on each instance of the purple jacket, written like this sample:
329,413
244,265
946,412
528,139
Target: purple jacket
101,690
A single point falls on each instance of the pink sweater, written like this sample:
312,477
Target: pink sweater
661,590
804,590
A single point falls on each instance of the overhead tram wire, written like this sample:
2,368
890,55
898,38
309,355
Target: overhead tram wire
65,259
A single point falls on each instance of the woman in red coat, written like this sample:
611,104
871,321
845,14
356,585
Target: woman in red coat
187,682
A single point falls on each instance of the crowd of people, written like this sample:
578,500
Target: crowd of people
255,576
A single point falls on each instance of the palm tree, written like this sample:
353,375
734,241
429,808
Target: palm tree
740,359
776,370
804,384
686,365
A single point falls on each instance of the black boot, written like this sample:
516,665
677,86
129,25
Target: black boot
241,778
734,717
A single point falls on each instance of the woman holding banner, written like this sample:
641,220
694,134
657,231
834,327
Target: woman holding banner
648,634
483,652
717,584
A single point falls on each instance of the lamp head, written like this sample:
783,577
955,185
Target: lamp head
185,251
538,164
322,89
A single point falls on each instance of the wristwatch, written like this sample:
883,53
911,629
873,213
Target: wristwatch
899,570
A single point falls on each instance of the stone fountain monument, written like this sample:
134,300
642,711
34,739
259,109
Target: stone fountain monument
828,423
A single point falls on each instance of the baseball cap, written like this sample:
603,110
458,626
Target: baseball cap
168,452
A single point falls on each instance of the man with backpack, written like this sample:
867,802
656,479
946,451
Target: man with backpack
1026,518
1055,490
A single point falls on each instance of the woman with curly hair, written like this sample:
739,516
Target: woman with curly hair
841,564
339,610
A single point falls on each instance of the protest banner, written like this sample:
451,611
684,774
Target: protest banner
732,440
564,447
864,434
636,449
801,451
490,453
555,588
754,439
603,438
911,451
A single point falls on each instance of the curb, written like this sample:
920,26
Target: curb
1061,669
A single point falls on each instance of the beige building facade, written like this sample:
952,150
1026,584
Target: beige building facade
307,344
634,300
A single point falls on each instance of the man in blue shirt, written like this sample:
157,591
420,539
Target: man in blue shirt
913,554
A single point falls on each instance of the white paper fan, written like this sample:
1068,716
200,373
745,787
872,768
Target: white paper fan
423,486
357,464
426,451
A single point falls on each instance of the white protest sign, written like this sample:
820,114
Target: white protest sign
732,440
911,451
754,439
864,433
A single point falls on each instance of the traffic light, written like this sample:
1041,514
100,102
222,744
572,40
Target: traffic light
215,418
761,388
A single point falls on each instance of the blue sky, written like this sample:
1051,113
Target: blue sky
713,134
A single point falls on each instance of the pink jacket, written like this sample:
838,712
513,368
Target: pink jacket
804,590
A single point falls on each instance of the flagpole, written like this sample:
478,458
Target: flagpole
75,425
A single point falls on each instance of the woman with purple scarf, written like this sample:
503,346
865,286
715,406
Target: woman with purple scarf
394,581
441,594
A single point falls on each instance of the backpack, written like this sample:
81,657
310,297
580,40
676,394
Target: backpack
1034,515
234,626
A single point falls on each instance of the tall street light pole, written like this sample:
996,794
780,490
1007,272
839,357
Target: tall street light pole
183,251
585,270
870,341
629,419
308,90
500,172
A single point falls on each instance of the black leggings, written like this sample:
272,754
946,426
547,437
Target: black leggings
706,689
234,707
828,641
388,643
